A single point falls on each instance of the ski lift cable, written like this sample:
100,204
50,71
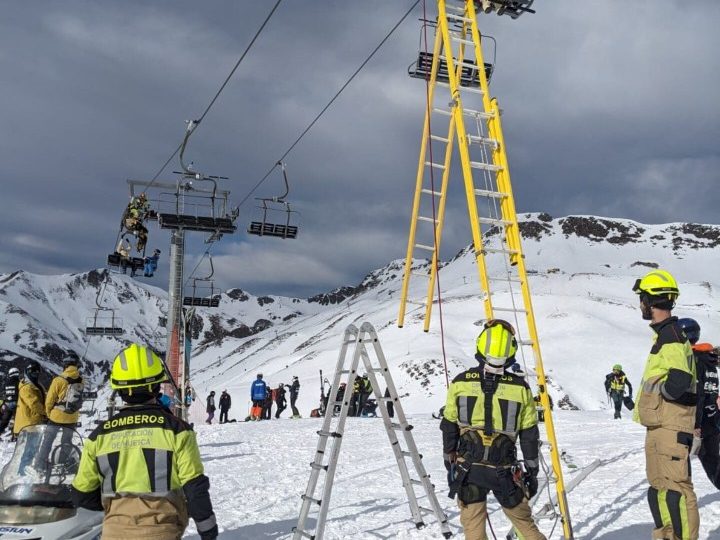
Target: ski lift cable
322,112
217,94
436,255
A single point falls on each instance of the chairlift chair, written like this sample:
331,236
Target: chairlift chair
104,323
469,75
512,8
265,225
201,286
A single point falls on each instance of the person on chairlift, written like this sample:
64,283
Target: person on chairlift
151,263
123,249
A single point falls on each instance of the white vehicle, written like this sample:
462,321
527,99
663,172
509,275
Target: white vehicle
35,502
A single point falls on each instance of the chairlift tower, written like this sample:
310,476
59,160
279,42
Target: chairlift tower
185,207
461,114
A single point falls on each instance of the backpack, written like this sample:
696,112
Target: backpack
73,399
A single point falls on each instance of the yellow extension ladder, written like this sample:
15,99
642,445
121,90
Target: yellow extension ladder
461,113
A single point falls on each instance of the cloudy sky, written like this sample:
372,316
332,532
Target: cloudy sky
610,108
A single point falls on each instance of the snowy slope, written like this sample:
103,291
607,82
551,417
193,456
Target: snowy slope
581,272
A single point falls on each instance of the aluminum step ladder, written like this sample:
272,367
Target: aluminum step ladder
466,118
333,430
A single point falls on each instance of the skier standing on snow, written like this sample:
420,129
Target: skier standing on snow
224,403
480,435
707,418
258,393
666,406
267,404
294,391
615,387
142,466
210,407
10,387
280,402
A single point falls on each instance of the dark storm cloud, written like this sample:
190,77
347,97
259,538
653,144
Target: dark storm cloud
609,108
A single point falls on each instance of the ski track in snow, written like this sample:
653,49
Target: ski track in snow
258,470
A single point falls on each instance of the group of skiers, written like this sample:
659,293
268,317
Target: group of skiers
360,402
490,408
27,403
262,396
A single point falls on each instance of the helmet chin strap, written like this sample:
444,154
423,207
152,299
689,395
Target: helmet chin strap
492,370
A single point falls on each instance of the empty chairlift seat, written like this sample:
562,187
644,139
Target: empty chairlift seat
222,225
104,325
279,230
468,75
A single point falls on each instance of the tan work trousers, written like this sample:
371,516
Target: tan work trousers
474,516
671,495
138,518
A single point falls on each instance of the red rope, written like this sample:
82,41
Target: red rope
432,188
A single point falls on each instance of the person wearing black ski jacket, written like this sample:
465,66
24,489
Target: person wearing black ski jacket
225,403
280,402
294,392
707,417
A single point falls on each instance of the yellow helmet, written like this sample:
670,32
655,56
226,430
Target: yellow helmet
657,283
136,366
496,343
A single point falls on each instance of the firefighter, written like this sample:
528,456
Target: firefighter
142,466
666,406
487,410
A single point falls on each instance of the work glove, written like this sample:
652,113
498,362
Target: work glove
450,458
531,482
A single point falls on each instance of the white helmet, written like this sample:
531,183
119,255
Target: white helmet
14,372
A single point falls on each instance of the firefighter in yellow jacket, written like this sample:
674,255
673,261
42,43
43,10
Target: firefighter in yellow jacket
666,407
487,410
142,466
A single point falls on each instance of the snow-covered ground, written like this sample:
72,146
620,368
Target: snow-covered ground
258,470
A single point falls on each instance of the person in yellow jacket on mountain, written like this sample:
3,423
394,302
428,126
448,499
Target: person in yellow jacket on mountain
62,408
488,409
31,400
142,466
30,410
666,406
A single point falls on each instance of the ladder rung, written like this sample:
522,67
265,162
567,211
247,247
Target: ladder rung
455,17
431,192
509,309
439,138
306,498
415,303
334,434
346,371
505,251
476,139
376,369
416,482
491,194
435,165
420,274
319,467
526,342
464,41
400,427
485,166
428,219
442,111
494,221
304,534
426,510
385,399
478,114
425,247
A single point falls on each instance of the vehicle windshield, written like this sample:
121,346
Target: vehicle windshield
42,467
